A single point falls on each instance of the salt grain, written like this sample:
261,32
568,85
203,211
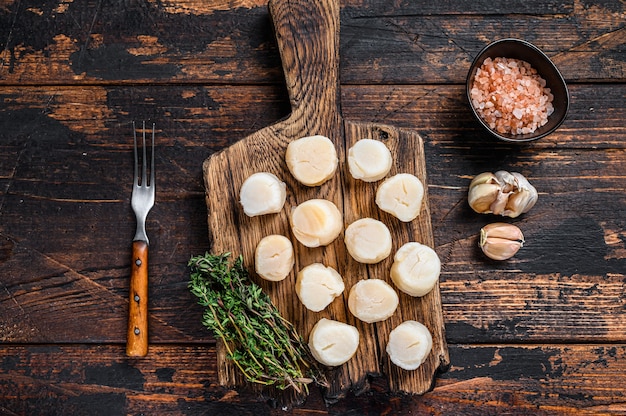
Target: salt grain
510,96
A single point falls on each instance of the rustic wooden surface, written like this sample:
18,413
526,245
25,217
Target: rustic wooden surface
540,334
310,61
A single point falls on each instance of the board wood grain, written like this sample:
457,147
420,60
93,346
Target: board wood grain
308,40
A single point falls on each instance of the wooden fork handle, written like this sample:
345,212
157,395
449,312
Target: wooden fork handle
137,336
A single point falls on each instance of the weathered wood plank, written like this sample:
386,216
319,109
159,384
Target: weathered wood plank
514,379
124,42
404,48
182,380
448,7
441,113
207,42
214,117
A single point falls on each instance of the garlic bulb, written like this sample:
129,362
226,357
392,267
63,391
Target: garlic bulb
503,193
500,241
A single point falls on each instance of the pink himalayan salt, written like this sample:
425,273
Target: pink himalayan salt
510,96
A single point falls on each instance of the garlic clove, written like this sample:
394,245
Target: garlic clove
500,241
523,200
519,203
483,191
498,206
480,197
485,177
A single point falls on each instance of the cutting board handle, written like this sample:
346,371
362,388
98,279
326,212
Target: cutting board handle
307,33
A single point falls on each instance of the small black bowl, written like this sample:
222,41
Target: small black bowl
525,51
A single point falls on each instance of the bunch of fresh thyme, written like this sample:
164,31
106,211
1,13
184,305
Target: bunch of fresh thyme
260,342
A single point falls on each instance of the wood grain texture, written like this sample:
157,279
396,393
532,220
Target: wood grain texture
541,334
49,155
308,38
205,41
181,380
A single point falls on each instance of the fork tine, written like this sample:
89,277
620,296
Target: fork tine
152,172
136,169
152,162
144,170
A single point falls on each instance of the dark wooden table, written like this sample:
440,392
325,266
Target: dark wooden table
543,333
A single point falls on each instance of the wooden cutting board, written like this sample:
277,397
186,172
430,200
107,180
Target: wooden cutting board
307,33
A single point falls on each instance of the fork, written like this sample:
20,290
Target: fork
142,200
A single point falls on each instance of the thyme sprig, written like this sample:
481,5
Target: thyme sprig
262,344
